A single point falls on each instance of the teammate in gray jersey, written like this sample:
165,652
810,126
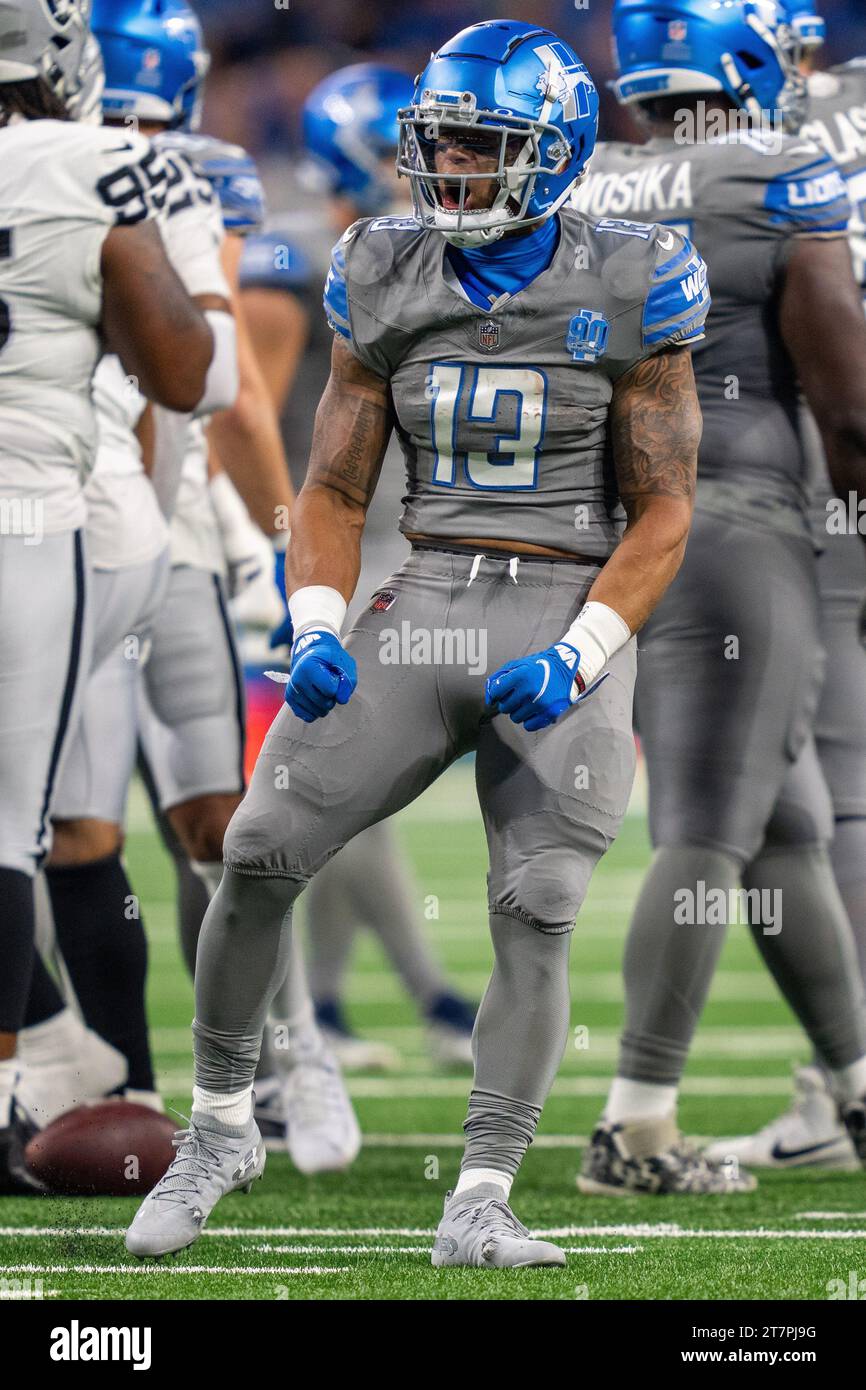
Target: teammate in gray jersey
534,364
65,183
809,1133
731,659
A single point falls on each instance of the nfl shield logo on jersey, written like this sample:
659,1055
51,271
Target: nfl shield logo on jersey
383,601
587,335
488,335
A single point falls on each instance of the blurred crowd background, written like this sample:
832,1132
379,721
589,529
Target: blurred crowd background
268,54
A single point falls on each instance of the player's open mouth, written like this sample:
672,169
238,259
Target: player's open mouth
449,192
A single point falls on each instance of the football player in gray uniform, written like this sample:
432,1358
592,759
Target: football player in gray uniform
736,792
535,365
350,135
96,193
810,1134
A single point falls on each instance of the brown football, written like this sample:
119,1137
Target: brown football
111,1149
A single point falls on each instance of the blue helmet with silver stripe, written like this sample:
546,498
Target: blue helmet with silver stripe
518,100
745,49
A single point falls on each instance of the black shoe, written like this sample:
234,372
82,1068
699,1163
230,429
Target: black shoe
15,1177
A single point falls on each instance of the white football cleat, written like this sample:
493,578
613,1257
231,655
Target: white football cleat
88,1070
808,1135
322,1131
479,1228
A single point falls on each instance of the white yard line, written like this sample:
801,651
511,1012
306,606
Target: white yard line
634,1230
425,1087
173,1269
418,1249
830,1215
603,1042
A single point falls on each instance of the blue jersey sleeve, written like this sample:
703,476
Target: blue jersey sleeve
811,199
235,180
678,300
272,261
336,296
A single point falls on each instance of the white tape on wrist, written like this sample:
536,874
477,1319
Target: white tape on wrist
597,632
317,606
222,382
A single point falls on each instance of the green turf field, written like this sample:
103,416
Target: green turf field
367,1234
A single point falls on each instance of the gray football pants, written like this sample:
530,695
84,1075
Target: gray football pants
552,803
729,682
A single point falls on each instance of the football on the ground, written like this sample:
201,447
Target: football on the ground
111,1149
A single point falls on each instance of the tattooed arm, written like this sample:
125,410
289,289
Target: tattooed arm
353,425
655,424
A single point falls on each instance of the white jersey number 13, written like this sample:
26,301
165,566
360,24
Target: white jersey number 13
468,399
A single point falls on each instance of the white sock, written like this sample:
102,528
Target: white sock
849,1083
639,1100
233,1108
210,873
55,1040
8,1080
471,1177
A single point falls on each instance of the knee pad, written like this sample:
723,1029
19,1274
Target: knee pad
544,886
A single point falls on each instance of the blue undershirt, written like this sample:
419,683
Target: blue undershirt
506,266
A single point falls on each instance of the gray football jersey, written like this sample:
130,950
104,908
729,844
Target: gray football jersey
744,199
502,412
837,122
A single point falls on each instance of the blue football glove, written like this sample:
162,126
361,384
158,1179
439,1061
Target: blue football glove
535,690
323,674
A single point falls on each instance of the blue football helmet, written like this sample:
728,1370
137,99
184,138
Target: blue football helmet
516,94
745,48
155,60
350,127
804,17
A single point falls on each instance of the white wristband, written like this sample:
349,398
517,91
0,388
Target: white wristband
317,606
597,632
222,382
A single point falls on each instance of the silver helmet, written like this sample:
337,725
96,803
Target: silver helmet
47,39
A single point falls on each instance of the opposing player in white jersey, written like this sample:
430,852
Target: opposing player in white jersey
191,708
97,925
95,193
